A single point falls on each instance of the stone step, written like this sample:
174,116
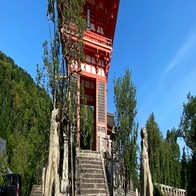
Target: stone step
97,158
89,162
129,193
95,195
90,166
88,155
93,191
90,180
86,151
92,185
90,175
36,190
90,171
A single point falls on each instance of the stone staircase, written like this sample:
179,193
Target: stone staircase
36,190
129,193
90,180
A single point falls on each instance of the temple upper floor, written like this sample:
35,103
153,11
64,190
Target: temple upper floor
101,17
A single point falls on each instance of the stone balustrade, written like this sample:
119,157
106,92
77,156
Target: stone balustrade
171,191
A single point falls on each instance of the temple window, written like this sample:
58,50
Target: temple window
88,18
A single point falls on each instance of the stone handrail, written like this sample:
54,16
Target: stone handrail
104,172
171,190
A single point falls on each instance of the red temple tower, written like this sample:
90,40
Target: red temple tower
101,17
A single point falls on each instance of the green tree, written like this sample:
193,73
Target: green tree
3,166
164,154
59,74
187,130
155,144
63,55
165,160
86,127
126,136
188,123
65,51
183,172
174,158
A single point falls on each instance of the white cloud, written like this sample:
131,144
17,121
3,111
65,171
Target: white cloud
171,105
166,90
165,100
183,53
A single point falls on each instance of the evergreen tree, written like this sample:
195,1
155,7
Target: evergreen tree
165,160
187,131
188,123
183,172
155,143
174,158
164,155
126,136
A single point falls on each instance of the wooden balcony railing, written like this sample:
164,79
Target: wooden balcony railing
89,36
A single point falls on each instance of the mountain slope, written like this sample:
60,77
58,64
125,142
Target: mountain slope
25,111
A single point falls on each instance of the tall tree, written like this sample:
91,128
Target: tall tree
164,154
126,136
174,158
58,75
62,56
183,172
188,123
165,160
155,143
187,130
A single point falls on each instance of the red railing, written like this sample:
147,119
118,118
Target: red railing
90,36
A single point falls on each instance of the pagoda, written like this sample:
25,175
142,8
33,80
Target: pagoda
101,18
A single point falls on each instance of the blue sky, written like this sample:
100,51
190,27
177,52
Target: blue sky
156,40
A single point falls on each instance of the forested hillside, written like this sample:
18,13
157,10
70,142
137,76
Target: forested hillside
25,111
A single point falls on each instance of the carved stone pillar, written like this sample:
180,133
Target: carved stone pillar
145,174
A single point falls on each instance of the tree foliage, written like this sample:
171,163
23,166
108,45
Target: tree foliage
164,154
65,51
24,122
60,70
126,136
3,166
86,127
183,171
187,130
174,158
154,148
188,122
62,56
